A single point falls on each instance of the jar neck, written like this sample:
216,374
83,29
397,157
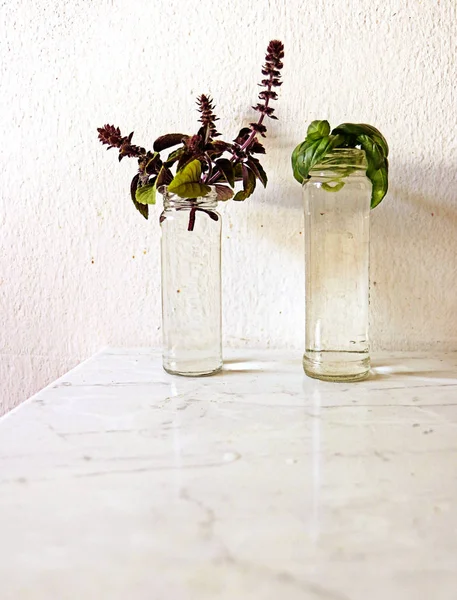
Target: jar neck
341,162
175,202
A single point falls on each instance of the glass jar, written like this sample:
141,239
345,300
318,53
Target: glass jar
337,200
191,284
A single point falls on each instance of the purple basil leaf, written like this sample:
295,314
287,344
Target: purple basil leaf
167,141
217,146
258,171
238,172
223,192
248,184
242,135
142,208
153,165
173,157
213,215
186,158
164,177
226,166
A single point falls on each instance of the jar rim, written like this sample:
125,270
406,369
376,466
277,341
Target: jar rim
210,196
339,158
346,152
173,201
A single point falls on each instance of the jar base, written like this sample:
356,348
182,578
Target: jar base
196,373
337,366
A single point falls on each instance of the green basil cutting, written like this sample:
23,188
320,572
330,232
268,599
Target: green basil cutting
320,141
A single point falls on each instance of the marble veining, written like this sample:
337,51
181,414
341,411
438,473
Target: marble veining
121,481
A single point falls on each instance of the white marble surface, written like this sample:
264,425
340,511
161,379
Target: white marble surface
122,482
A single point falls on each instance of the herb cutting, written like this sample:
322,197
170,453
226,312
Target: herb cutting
202,160
319,143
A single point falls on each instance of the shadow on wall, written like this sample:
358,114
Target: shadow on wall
414,260
413,257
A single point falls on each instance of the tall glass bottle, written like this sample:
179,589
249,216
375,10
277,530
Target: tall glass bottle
337,234
191,285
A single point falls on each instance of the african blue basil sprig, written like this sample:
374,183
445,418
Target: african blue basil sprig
202,160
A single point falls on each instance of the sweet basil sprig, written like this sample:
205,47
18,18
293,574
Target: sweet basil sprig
319,142
201,160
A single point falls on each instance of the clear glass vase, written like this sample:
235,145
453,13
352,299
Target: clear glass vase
191,285
337,233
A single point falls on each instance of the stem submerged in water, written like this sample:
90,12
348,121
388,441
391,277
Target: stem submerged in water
191,225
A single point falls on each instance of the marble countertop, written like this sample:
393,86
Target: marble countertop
120,482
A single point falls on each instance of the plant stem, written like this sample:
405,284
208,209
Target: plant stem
210,168
252,135
190,227
259,122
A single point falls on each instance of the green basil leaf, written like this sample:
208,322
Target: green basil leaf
356,129
348,135
296,156
374,154
146,194
380,182
191,190
318,130
186,183
377,170
377,137
310,153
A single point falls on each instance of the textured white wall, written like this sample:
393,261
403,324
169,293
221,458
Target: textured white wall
79,268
